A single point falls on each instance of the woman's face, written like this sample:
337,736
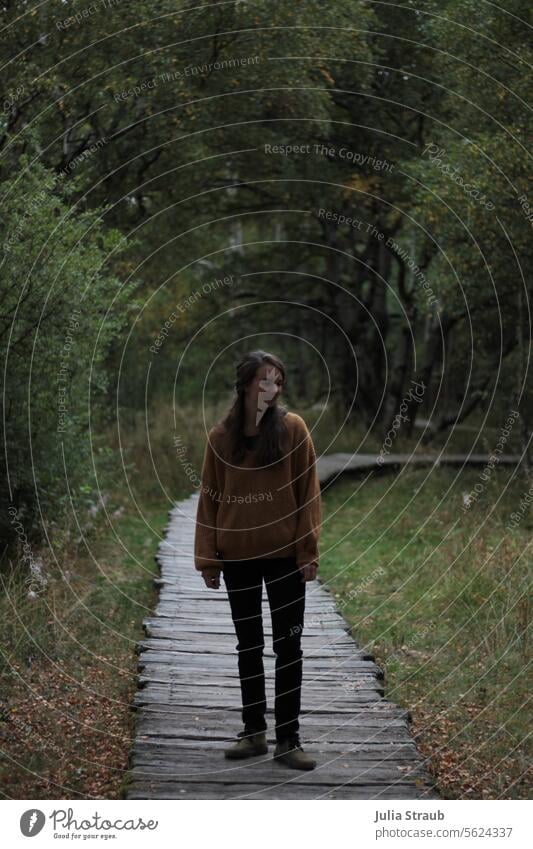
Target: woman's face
266,387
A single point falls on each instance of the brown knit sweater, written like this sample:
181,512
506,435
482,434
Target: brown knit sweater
246,512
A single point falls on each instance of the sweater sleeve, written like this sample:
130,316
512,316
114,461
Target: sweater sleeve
308,497
205,551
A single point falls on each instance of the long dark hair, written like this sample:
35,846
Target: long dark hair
271,446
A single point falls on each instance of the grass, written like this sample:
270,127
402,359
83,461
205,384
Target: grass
68,672
440,596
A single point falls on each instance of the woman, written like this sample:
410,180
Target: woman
258,519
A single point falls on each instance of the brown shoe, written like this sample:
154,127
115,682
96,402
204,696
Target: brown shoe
290,753
250,744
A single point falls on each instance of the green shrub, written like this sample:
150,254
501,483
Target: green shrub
61,307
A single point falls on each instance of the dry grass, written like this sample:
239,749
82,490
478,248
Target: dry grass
69,669
449,617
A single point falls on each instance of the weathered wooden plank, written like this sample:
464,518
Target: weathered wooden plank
163,702
224,636
158,701
284,790
367,716
178,619
185,727
228,666
201,646
337,769
179,678
405,750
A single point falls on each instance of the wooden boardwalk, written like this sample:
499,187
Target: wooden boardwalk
331,466
189,701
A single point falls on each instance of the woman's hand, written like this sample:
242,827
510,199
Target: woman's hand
308,572
211,576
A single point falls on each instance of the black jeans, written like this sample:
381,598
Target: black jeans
286,597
